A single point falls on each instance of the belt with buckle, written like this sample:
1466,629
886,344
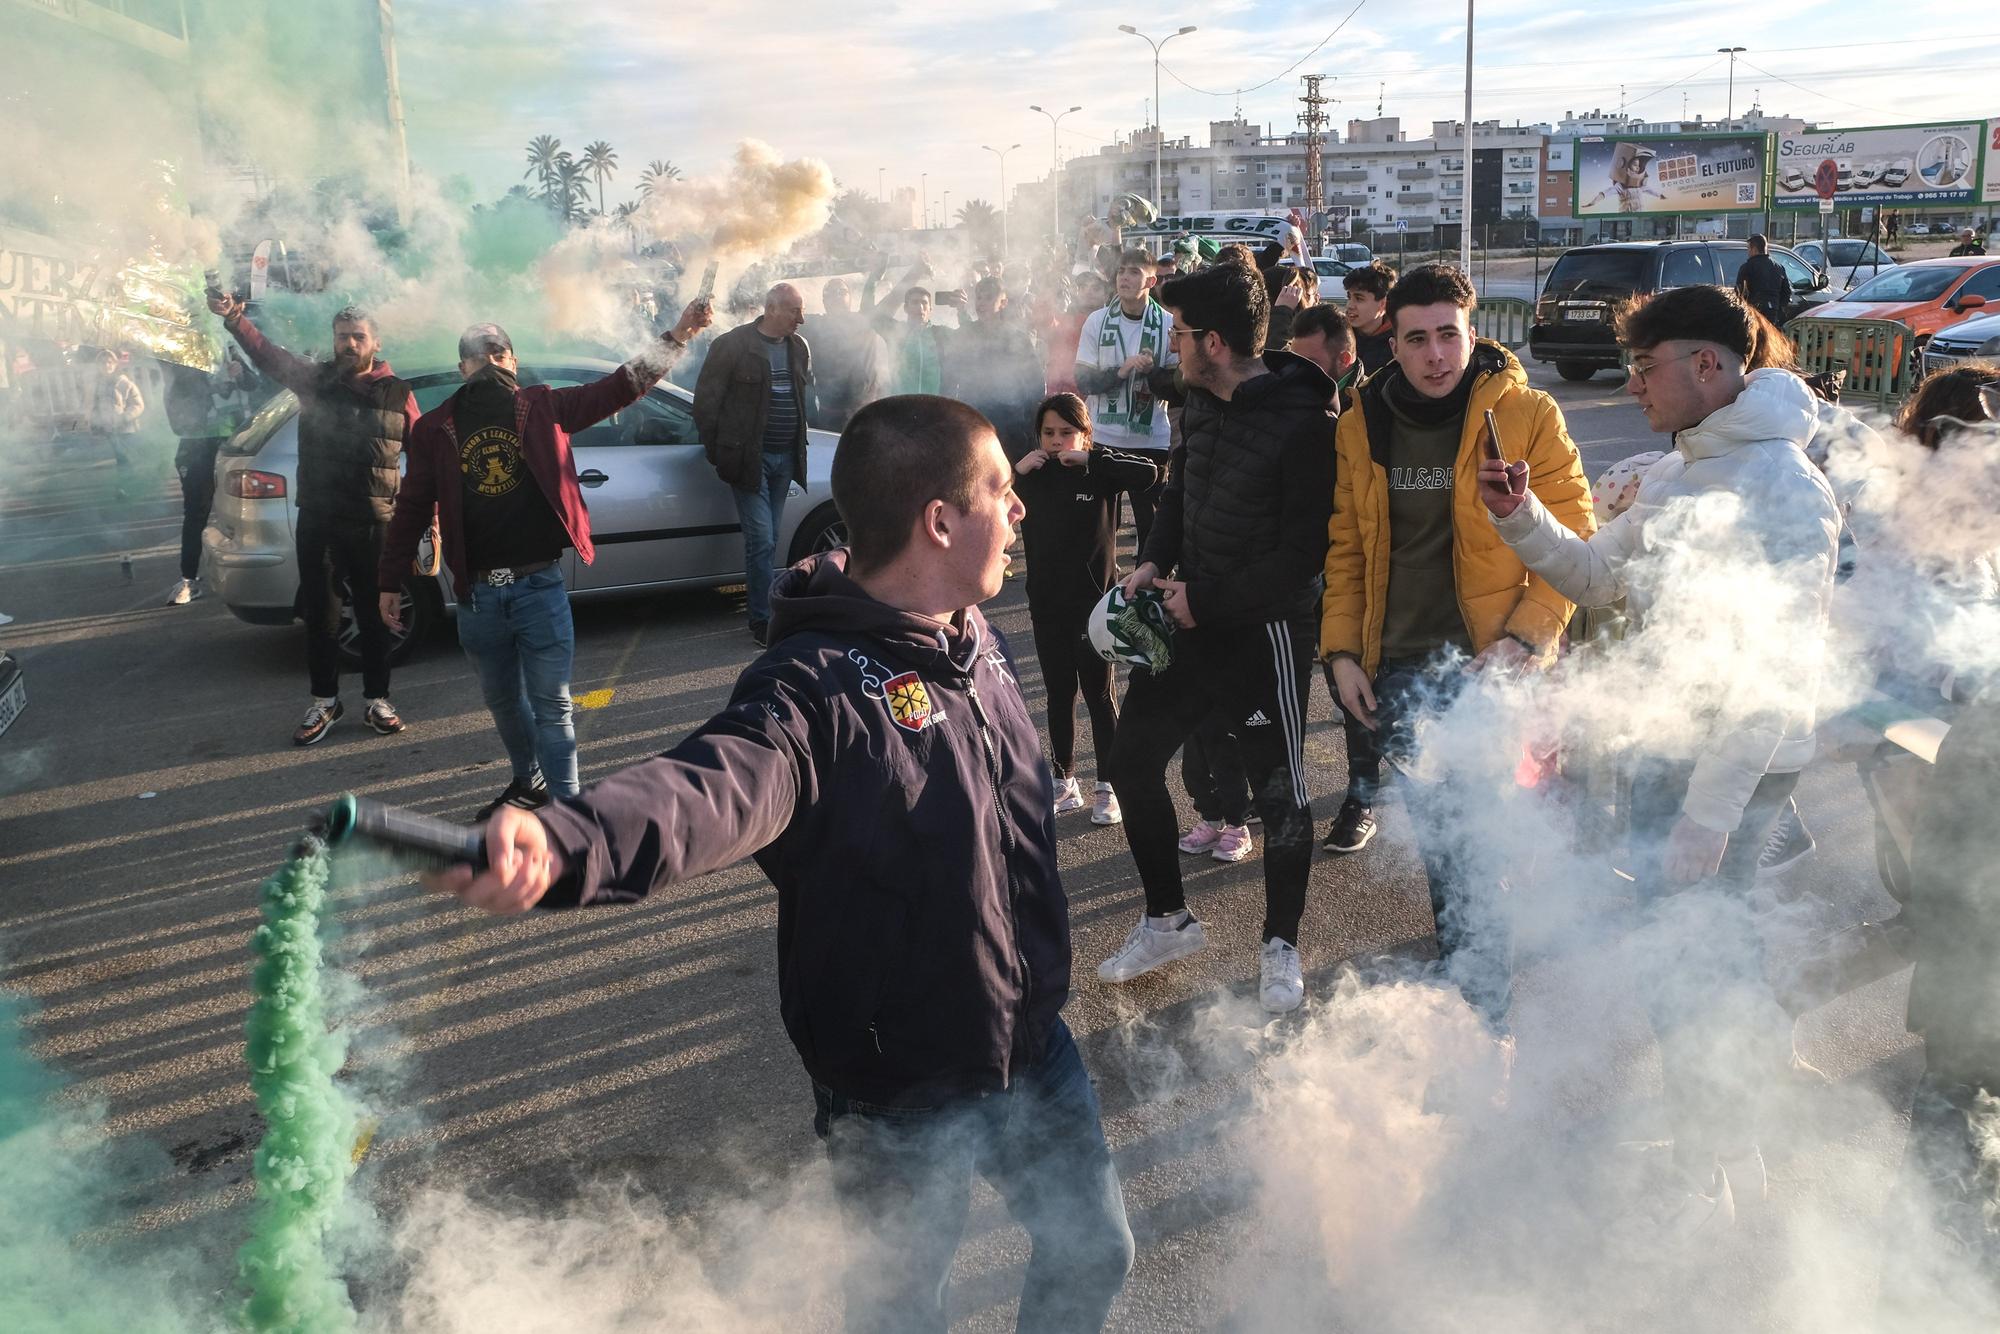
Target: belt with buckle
506,575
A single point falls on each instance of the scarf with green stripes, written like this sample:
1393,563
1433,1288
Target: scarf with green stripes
1119,409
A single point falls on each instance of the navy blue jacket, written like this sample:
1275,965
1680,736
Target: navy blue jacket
882,769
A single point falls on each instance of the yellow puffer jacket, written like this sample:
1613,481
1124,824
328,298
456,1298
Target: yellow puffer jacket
1496,594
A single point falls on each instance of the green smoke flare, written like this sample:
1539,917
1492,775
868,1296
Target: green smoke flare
302,1165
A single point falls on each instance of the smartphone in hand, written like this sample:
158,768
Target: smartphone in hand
1493,439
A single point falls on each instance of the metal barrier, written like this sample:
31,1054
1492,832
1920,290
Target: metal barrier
1504,319
1879,356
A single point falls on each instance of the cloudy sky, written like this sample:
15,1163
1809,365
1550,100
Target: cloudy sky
908,87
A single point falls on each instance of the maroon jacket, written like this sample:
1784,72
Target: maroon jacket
544,418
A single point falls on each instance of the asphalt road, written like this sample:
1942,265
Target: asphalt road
151,785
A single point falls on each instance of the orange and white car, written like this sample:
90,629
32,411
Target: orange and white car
1927,295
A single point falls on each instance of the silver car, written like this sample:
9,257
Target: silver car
1975,338
659,516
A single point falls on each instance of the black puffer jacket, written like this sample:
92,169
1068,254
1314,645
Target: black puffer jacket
1249,492
883,771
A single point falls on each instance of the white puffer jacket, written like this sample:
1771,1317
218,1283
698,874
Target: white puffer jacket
1754,450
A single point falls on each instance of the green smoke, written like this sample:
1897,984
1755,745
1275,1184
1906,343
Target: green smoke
302,1165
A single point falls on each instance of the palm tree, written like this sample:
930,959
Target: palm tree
543,151
572,181
658,172
976,215
621,218
600,160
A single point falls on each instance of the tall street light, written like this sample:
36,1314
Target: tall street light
1002,153
1157,136
1465,202
1055,168
1732,52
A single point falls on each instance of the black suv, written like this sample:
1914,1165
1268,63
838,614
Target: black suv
1574,317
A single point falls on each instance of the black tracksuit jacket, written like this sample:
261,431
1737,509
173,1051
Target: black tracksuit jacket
1070,527
883,771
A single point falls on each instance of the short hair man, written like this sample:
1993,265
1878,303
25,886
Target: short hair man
751,402
492,463
880,764
850,360
1740,437
1235,552
354,416
1414,585
1368,290
1968,243
1762,283
1115,349
1322,335
991,365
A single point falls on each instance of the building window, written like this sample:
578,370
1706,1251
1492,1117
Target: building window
1240,192
1371,189
1194,169
1240,169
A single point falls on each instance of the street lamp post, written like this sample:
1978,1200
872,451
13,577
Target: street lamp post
1002,153
881,196
1465,202
1055,169
945,220
1157,136
1732,52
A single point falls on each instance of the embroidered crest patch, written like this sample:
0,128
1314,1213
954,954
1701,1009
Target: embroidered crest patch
909,702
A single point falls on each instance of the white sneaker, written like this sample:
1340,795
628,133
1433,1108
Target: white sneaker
186,591
1233,844
1104,806
1153,943
1201,838
1069,797
1278,981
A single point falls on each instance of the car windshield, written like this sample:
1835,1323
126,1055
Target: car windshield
1599,272
1907,283
1852,252
264,425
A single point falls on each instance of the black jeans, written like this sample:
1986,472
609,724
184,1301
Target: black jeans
903,1177
1475,938
332,551
195,462
1212,772
1258,675
1069,665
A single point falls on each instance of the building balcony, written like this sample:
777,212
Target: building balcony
1349,200
1416,197
1415,174
1347,173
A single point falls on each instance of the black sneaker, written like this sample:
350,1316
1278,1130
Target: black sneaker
1351,829
529,796
318,720
1789,842
761,632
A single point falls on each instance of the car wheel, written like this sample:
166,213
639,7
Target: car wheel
1575,370
421,609
822,531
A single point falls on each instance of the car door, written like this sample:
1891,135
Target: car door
1983,282
1804,282
658,513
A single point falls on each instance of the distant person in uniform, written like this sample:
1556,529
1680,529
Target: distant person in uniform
1762,284
1968,243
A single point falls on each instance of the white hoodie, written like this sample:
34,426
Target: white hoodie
1754,449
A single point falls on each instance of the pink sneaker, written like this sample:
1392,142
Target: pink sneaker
1233,843
1202,838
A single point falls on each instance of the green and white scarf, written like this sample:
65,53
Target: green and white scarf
1118,410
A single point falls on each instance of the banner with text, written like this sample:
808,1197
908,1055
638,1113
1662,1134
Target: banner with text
1992,176
1670,173
1903,165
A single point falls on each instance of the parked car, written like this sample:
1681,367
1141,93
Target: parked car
1332,270
1793,180
1927,294
1977,337
660,518
1579,301
13,690
1846,261
1348,252
1894,174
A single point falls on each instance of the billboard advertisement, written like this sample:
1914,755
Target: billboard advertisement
1903,165
1992,176
1670,173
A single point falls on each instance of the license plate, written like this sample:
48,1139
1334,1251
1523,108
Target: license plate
1935,362
1574,314
12,702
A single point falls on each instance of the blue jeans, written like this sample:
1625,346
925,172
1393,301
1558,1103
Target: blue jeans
760,512
522,643
903,1176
